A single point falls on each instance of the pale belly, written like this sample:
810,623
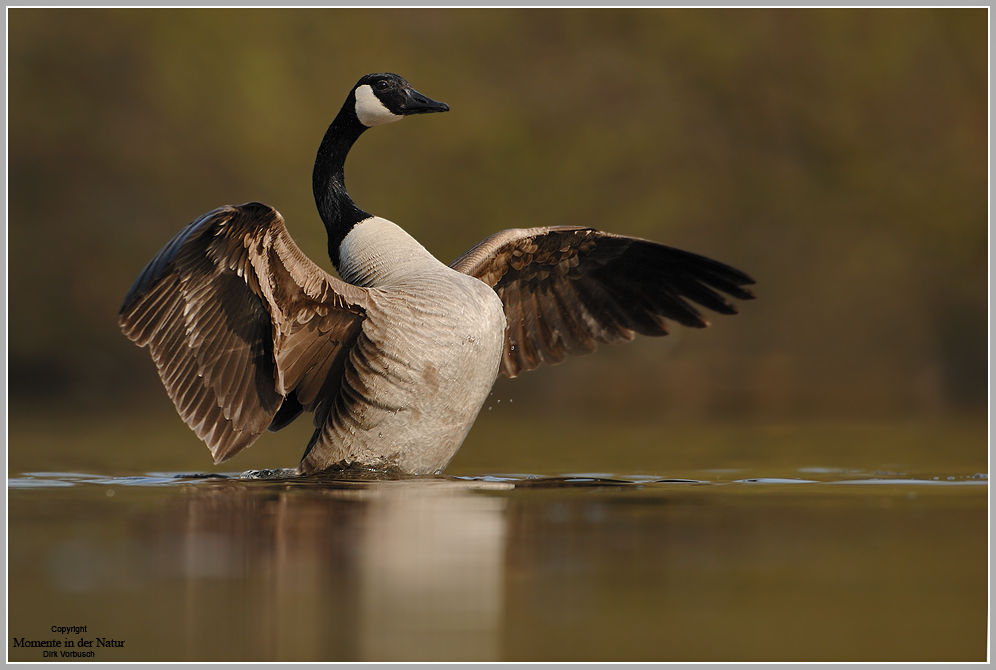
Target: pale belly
415,381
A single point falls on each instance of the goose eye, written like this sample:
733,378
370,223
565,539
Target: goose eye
381,85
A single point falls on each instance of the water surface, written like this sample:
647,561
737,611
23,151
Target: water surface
726,564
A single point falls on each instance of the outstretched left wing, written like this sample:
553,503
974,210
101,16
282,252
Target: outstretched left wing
241,325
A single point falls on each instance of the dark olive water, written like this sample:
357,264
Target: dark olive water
829,566
856,542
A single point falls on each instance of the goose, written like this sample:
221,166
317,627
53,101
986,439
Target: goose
396,357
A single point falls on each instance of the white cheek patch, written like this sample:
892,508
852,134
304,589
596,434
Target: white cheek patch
370,110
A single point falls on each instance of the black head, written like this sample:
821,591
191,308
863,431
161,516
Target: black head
384,98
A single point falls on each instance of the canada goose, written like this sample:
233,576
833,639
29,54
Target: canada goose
396,359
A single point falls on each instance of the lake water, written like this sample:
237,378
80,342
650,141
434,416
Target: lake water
782,558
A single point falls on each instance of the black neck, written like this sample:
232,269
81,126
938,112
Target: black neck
328,180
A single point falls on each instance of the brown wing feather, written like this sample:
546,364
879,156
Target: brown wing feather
237,319
566,289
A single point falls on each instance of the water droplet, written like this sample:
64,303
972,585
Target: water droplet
489,409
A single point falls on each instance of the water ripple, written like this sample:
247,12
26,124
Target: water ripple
43,480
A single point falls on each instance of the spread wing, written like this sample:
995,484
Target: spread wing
565,289
241,325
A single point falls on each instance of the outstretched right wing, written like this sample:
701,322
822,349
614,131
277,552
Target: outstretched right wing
566,288
239,322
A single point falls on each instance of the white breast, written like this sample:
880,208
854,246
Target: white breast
424,363
377,252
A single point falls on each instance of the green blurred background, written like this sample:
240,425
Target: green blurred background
838,156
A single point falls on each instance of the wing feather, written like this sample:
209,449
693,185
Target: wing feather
566,289
238,319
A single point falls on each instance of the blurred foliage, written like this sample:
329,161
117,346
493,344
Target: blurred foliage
838,156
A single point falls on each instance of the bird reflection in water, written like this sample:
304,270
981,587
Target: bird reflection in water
374,571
